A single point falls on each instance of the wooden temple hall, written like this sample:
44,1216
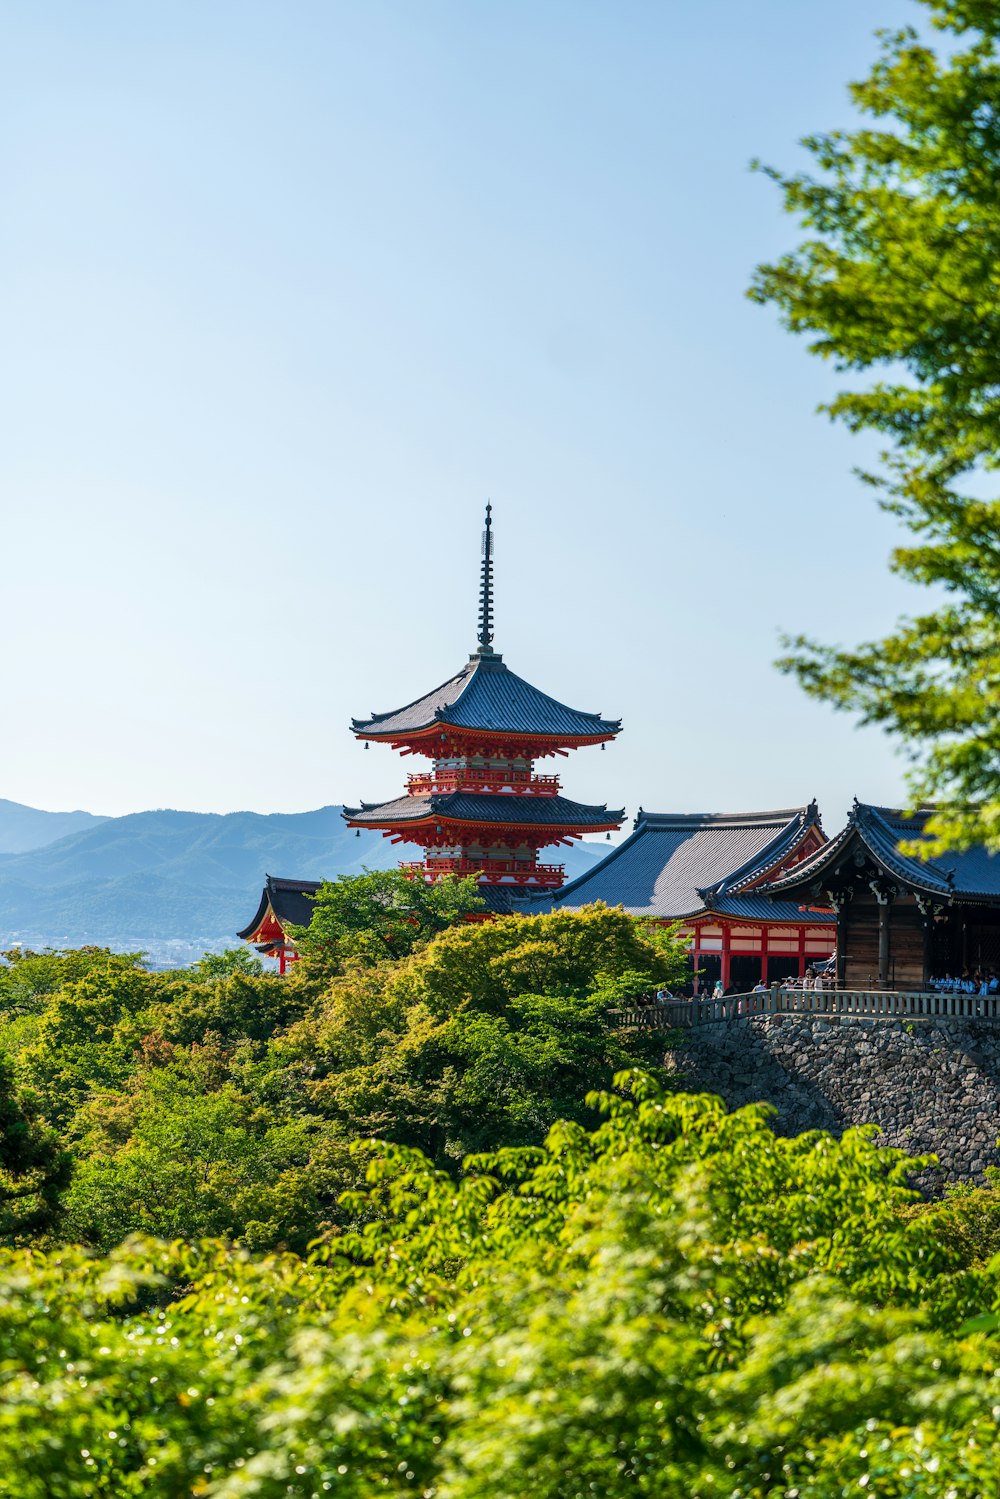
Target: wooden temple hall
761,896
902,921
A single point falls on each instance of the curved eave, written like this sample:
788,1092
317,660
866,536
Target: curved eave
441,819
250,931
404,738
815,868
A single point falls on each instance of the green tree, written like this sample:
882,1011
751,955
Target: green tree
896,285
674,1303
379,915
216,966
486,1035
184,1151
88,1037
28,979
34,1168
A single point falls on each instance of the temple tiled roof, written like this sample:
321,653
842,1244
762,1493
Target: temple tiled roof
467,806
757,906
487,695
973,874
289,900
673,861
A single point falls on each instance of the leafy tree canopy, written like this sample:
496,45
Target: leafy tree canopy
896,285
378,916
34,1167
674,1303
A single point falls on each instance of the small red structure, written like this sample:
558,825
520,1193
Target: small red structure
481,808
283,904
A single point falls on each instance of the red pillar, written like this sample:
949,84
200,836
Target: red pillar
763,954
802,951
725,955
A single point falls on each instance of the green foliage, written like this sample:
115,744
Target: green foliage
486,1036
185,1151
676,1303
379,916
28,978
896,285
34,1169
216,1100
215,966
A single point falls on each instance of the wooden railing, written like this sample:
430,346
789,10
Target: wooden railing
473,778
878,1004
491,871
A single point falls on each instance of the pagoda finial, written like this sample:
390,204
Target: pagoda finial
486,589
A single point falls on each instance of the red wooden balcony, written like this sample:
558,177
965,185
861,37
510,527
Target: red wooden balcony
465,778
491,871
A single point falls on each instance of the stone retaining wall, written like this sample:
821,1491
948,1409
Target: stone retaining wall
930,1085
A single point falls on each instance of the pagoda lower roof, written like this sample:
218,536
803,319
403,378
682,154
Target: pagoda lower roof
486,696
678,865
503,810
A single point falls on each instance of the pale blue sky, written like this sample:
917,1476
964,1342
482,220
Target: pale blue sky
288,289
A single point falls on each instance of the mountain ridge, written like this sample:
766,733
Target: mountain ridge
188,880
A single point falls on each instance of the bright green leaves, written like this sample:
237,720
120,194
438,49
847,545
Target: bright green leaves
675,1303
898,280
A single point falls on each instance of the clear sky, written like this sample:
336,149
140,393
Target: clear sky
287,290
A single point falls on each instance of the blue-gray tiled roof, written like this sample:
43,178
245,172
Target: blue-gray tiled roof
467,806
290,900
974,874
487,695
661,870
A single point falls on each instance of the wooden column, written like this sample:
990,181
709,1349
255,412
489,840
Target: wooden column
884,908
763,954
725,955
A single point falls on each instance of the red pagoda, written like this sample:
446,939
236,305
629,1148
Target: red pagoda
480,808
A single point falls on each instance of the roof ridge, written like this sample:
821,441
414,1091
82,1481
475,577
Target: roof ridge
467,667
780,816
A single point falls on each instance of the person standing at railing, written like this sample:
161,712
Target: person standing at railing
718,991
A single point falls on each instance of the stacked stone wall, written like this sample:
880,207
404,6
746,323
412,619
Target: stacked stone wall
932,1086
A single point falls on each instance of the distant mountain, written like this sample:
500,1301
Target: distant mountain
182,882
23,828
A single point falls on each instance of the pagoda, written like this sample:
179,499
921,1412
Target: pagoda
481,808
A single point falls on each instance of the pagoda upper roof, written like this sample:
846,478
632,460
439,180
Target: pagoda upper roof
486,695
467,806
972,874
683,864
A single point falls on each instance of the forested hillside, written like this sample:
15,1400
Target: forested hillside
419,1219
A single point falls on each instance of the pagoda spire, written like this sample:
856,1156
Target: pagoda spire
485,647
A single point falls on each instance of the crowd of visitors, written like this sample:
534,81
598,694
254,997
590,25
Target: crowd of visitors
976,982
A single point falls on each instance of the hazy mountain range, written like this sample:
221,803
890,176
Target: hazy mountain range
173,884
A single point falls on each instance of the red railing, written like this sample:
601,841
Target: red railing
491,871
427,782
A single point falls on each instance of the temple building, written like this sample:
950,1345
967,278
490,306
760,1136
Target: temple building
481,808
713,873
283,904
901,920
